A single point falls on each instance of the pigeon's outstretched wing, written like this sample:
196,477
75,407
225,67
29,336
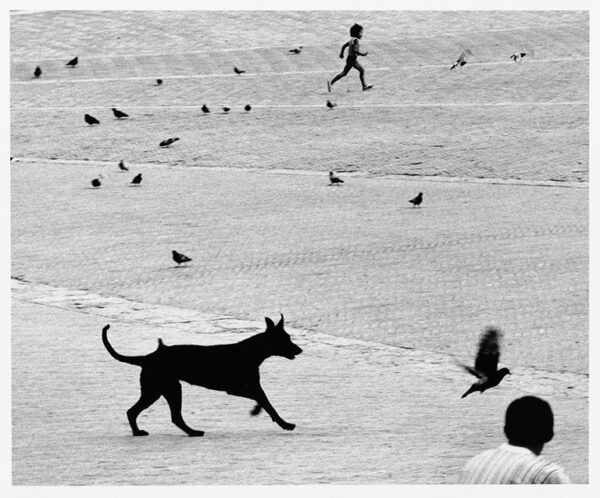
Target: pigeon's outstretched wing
471,370
462,60
489,352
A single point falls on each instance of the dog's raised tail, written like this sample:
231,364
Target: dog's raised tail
133,360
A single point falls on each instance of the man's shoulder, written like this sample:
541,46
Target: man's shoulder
511,464
552,473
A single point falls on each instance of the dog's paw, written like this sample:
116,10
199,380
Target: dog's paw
256,410
286,426
140,433
196,433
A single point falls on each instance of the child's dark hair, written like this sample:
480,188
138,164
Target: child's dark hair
529,420
355,30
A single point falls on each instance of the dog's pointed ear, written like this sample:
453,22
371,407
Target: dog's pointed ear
280,324
270,324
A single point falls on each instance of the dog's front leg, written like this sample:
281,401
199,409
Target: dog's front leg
261,398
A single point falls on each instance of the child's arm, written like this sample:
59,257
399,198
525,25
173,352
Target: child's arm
343,49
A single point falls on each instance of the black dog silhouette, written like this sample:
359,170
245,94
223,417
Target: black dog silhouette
233,368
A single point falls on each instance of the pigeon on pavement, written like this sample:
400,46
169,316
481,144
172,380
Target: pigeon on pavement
180,258
462,60
167,142
91,120
119,114
518,56
333,179
417,200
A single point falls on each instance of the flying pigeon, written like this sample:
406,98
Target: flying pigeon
462,60
226,109
205,108
296,50
180,258
417,200
238,71
137,179
72,62
333,179
330,104
247,107
486,363
168,141
119,114
122,166
91,120
518,56
38,72
158,82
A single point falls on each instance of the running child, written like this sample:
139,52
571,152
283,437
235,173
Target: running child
352,62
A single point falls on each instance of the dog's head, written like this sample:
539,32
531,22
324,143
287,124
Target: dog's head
281,343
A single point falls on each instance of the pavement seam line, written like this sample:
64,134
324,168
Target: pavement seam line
189,321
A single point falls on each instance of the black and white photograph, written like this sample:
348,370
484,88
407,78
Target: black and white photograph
306,245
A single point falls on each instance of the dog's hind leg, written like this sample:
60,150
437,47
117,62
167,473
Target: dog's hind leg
146,399
172,393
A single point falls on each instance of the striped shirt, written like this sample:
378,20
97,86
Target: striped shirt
509,464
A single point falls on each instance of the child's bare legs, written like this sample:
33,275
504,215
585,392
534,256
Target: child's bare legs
361,74
344,72
350,65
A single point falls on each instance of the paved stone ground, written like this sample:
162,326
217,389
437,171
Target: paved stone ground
492,118
354,261
416,285
377,293
359,418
